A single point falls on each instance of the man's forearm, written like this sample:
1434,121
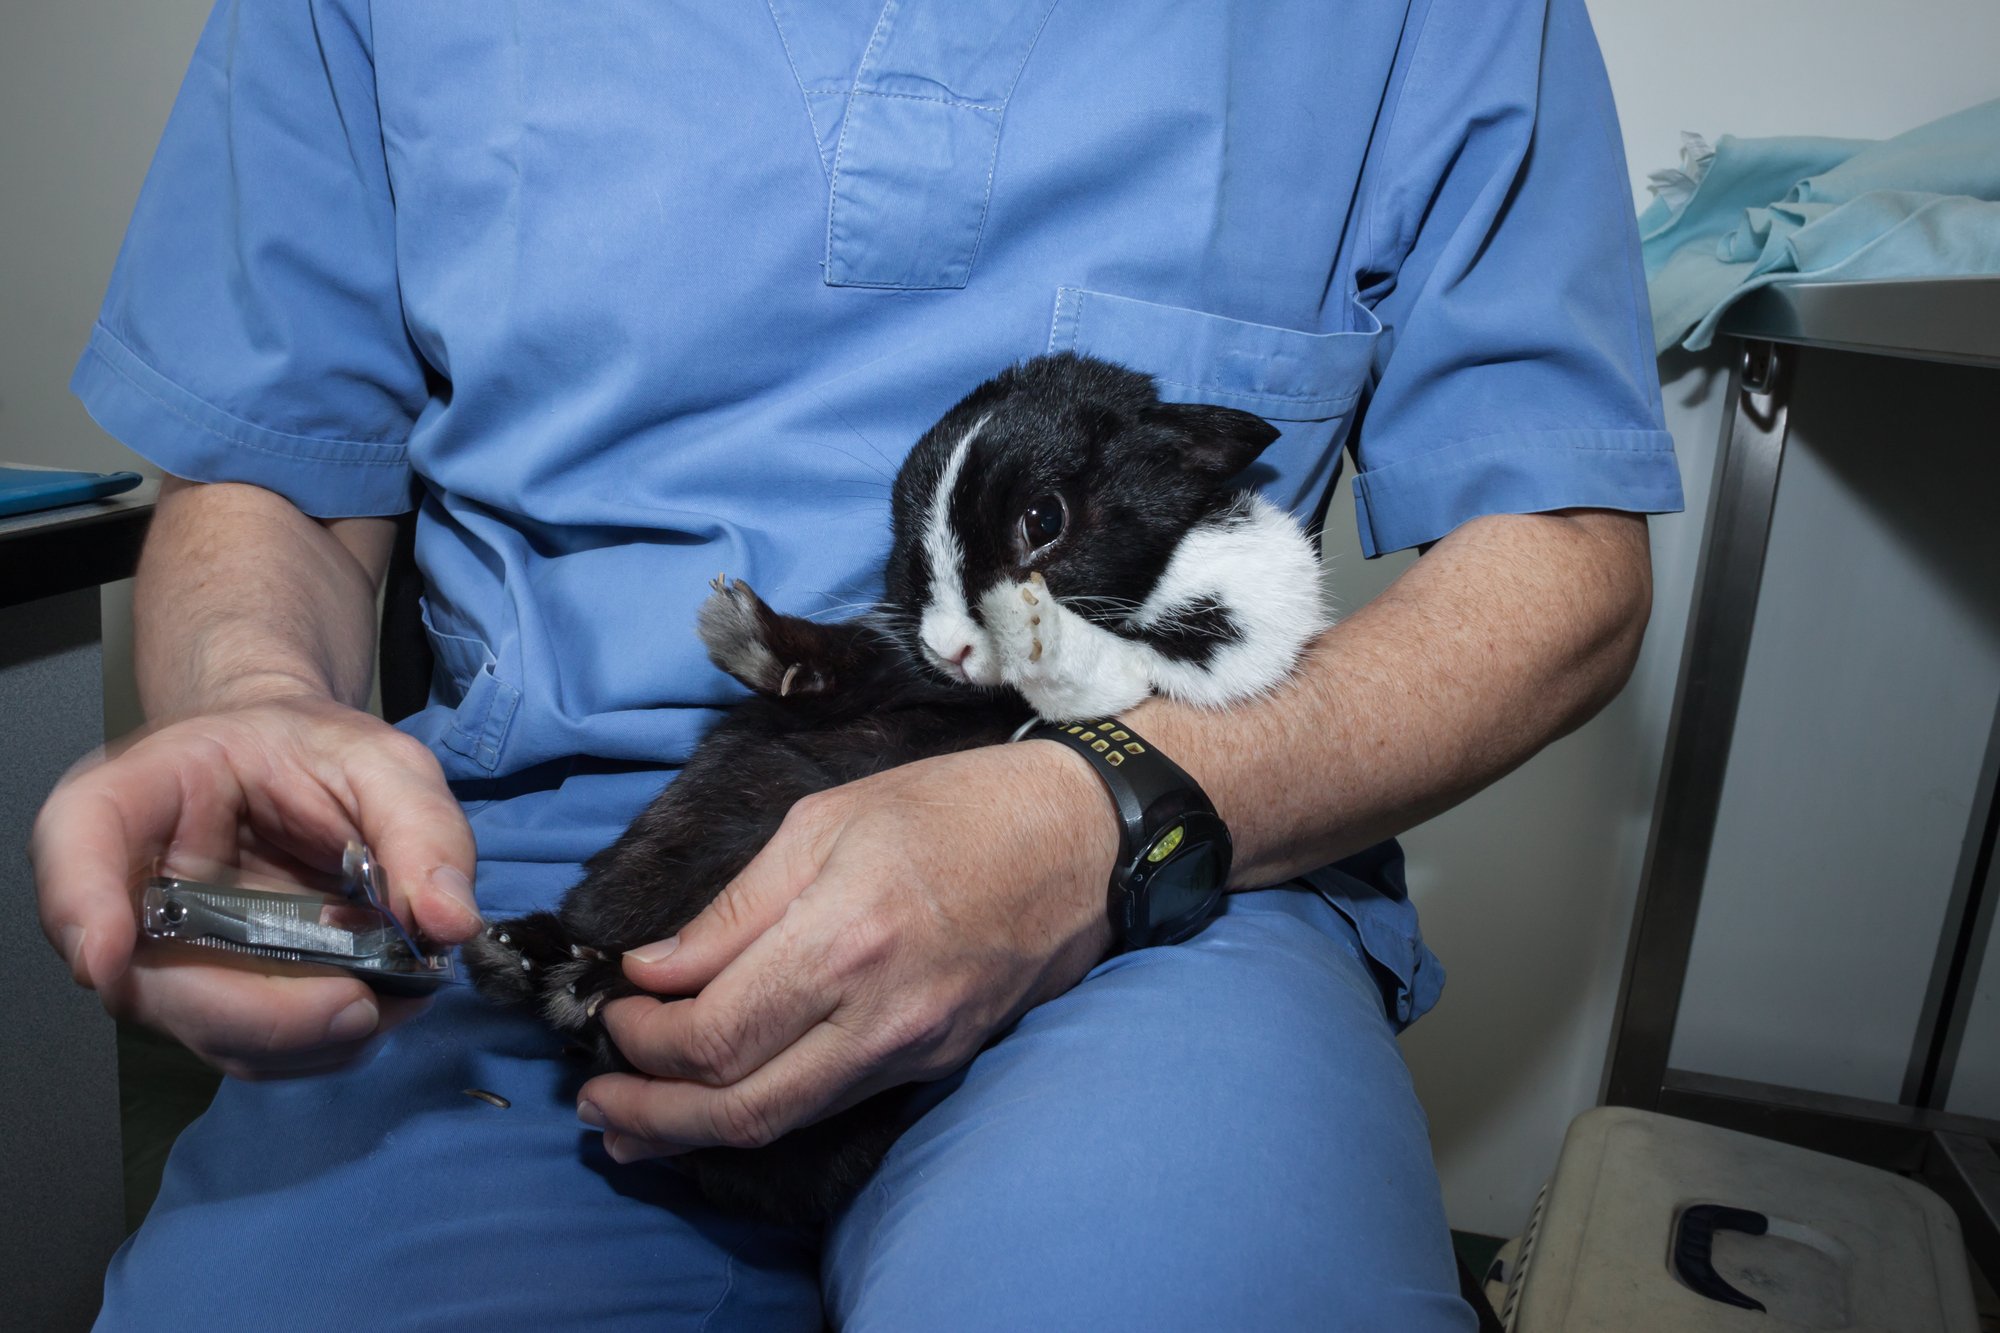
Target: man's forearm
1510,632
241,597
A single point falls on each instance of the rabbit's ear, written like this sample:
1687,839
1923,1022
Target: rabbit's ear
1214,442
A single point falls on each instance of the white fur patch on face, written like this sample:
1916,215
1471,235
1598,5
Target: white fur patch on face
956,644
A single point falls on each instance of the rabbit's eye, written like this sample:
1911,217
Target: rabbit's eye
1042,522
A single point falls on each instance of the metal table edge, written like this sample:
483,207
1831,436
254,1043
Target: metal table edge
1948,319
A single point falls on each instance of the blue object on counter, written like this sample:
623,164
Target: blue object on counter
23,490
1923,204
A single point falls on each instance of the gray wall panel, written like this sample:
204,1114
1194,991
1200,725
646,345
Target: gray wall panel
1871,683
60,1166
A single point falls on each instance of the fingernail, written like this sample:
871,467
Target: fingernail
588,1113
657,952
621,1149
71,937
354,1022
451,893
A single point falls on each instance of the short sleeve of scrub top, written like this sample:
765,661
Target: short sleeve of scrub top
1499,252
638,291
253,331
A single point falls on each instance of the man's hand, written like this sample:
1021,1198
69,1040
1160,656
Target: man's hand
268,787
890,928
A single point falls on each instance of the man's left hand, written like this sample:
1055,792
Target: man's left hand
887,931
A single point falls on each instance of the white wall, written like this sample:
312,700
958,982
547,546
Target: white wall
1527,889
84,90
1856,68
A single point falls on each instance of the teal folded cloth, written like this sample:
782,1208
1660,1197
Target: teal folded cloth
1763,211
23,490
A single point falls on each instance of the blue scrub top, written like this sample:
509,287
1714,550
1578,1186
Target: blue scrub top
626,294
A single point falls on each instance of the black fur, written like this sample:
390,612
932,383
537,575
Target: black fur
1135,474
836,702
1193,635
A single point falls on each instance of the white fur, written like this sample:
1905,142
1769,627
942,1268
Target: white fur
947,626
1261,568
1264,571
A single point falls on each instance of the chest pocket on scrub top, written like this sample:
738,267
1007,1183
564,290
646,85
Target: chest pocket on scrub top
1304,383
910,136
463,677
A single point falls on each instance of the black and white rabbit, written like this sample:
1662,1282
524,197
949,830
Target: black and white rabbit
1064,544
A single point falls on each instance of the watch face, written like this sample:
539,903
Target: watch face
1184,873
1186,883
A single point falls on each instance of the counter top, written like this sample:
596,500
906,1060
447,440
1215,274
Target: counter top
75,546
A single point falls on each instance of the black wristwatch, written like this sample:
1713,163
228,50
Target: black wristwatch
1173,849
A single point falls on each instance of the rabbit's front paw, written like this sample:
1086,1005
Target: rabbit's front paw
1069,669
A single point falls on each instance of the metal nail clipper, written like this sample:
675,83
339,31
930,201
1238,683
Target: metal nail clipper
353,929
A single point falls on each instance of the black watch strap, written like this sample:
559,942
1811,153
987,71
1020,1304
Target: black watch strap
1134,774
1152,796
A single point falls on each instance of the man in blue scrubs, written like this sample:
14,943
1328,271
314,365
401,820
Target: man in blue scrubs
625,294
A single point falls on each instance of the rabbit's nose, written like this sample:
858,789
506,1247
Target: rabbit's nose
951,652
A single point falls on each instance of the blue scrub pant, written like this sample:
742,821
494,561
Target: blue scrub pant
1217,1135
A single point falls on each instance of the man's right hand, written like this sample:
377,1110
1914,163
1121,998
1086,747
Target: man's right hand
276,785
